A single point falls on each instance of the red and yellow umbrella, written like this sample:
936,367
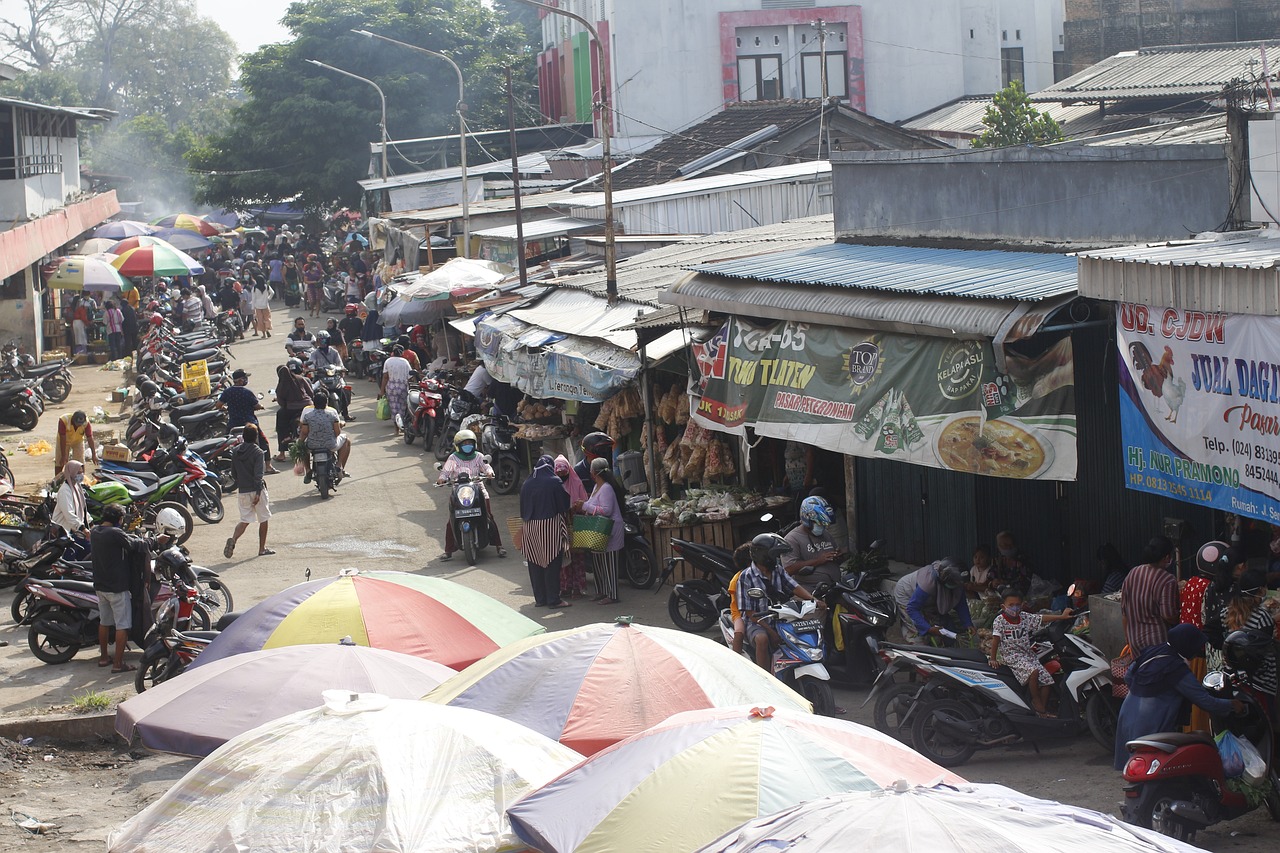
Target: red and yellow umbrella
428,617
190,222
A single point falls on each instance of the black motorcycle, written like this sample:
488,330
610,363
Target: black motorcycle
859,616
332,380
468,515
462,405
20,404
640,564
325,471
498,441
695,605
54,376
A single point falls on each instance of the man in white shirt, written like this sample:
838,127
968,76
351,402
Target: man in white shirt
70,512
478,384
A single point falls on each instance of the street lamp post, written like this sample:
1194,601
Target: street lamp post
462,131
606,158
381,97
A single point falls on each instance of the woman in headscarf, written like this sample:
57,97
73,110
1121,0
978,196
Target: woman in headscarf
1160,680
573,574
544,508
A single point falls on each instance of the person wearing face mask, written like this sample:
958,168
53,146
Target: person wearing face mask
70,512
1160,681
1010,564
812,546
573,569
1011,645
929,596
466,459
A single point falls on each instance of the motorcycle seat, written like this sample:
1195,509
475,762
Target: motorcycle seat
205,446
1170,741
200,635
12,389
975,655
47,369
74,586
194,408
197,418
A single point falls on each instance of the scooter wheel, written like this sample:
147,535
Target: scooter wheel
937,745
685,617
45,647
1151,809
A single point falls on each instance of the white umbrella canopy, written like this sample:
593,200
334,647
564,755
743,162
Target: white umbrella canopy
942,819
363,772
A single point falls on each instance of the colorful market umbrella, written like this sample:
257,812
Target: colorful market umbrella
94,245
82,272
593,686
428,617
181,238
942,819
197,713
686,781
156,260
122,228
363,772
190,222
226,218
121,246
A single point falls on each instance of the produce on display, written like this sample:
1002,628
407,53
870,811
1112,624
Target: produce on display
707,505
617,412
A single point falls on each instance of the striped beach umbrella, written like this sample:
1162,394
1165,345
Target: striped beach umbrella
593,686
362,772
190,222
156,260
685,782
428,617
197,713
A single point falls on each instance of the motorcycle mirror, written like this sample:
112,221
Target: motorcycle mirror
487,458
1215,681
768,516
756,592
876,545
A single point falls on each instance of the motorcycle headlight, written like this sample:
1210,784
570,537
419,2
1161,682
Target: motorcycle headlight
466,495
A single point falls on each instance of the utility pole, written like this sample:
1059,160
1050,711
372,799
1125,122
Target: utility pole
822,47
515,181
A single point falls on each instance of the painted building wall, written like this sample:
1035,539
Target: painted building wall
676,62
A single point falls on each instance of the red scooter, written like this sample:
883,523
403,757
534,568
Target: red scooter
1174,781
426,402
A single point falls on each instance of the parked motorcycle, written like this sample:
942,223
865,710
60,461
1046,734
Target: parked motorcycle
54,376
460,407
639,563
498,441
1175,782
695,605
859,616
990,708
797,661
182,621
425,404
20,405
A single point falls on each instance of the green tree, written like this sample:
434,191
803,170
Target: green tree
1011,120
304,132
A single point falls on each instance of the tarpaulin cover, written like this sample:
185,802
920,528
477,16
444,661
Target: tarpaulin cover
429,617
967,819
453,275
684,782
548,364
197,713
355,775
590,687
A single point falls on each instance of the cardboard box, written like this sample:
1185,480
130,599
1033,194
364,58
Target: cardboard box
120,395
115,453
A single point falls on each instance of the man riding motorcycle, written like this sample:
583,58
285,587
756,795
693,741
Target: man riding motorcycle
766,573
465,459
320,429
812,545
326,356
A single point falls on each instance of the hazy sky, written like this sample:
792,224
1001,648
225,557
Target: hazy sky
251,23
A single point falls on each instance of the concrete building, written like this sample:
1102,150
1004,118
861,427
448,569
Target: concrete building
1094,30
672,63
42,208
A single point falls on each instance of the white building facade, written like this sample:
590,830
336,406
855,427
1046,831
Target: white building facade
674,62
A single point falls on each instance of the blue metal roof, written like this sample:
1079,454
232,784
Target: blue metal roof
1028,276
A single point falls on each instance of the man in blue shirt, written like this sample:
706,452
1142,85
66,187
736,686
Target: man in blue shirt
241,406
765,573
928,597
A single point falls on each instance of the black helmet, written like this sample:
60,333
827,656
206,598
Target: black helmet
767,547
1212,557
599,444
294,365
147,388
1248,648
169,433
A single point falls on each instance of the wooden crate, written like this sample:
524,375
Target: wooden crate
718,533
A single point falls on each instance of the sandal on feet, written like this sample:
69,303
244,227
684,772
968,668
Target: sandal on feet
128,667
104,662
607,600
559,604
266,552
229,548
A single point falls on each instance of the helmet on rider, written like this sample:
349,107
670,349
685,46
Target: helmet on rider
350,310
767,548
465,443
597,444
294,365
153,305
1213,557
169,522
322,339
816,514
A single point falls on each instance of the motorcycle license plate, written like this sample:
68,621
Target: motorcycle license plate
474,512
807,625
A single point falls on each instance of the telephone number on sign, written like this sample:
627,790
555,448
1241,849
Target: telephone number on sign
1261,472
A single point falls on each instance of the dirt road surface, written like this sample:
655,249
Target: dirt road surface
387,516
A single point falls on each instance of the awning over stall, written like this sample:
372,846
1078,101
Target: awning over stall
548,364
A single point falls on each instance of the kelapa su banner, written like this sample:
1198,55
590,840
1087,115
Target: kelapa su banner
927,401
1200,407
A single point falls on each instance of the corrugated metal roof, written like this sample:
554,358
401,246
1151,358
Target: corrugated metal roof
536,201
554,227
530,164
573,312
1253,252
1236,275
642,277
75,112
1186,71
1027,276
1209,130
709,184
939,316
962,118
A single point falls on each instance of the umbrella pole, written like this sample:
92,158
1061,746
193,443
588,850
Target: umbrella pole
444,330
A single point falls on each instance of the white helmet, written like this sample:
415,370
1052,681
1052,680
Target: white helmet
169,522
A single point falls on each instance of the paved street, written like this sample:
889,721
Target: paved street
388,516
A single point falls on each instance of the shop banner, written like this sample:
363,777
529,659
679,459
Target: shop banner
1200,407
547,365
938,402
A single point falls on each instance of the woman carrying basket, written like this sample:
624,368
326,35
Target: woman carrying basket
605,501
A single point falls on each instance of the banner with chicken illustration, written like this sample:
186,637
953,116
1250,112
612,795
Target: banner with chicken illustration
940,402
1200,407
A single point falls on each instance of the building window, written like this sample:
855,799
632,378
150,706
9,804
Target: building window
1004,35
1011,65
811,75
1060,70
970,33
1017,35
15,286
760,77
